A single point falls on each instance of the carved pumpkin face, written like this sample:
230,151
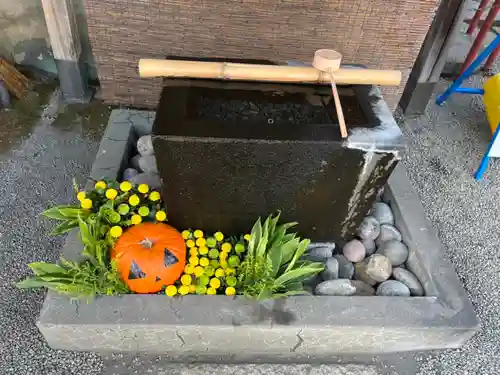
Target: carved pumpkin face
150,256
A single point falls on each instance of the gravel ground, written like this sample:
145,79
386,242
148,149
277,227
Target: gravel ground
35,174
445,147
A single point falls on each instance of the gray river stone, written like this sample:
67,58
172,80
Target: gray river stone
134,162
339,287
369,228
393,288
319,254
331,271
370,246
151,179
354,251
387,233
374,269
362,288
396,251
346,268
410,280
148,164
383,213
129,173
145,145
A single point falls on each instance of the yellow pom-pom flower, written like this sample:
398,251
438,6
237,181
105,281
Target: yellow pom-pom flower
211,291
143,211
143,188
136,219
194,261
215,283
213,253
214,263
154,196
116,231
201,241
230,291
186,234
223,255
201,289
86,204
134,200
192,288
125,186
231,281
226,246
219,272
81,196
161,216
198,233
219,236
246,237
198,271
186,279
209,271
189,269
190,243
123,209
204,262
193,251
183,290
100,185
211,242
111,194
203,250
223,263
230,271
171,290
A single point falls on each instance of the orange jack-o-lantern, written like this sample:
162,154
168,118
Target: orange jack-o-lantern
150,256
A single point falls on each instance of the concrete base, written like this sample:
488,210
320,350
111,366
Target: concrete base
296,329
74,81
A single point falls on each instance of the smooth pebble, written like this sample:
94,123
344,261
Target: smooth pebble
331,271
148,164
374,269
393,288
362,288
129,173
319,254
370,246
134,162
354,251
346,268
396,251
151,179
388,233
369,228
410,280
145,146
383,213
339,287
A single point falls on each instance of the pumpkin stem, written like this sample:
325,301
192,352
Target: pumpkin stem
146,243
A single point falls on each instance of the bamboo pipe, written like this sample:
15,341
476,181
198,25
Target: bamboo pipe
266,73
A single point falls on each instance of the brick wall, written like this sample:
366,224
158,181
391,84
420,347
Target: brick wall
377,33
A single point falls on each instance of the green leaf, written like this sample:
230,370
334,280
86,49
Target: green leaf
42,268
255,237
63,212
288,249
290,293
32,282
64,227
84,232
296,275
262,245
298,253
274,257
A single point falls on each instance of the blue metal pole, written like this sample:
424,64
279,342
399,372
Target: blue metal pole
469,71
469,90
484,161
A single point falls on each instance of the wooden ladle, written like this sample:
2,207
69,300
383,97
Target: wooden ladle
328,60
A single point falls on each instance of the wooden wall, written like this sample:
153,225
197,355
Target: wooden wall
376,33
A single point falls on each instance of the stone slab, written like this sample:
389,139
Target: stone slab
296,329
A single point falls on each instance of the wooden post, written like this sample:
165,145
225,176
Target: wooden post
65,40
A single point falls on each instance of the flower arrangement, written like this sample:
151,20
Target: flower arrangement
101,216
267,263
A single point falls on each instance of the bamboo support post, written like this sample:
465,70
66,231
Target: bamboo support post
264,73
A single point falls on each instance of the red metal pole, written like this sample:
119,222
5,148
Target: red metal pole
478,42
477,16
491,59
